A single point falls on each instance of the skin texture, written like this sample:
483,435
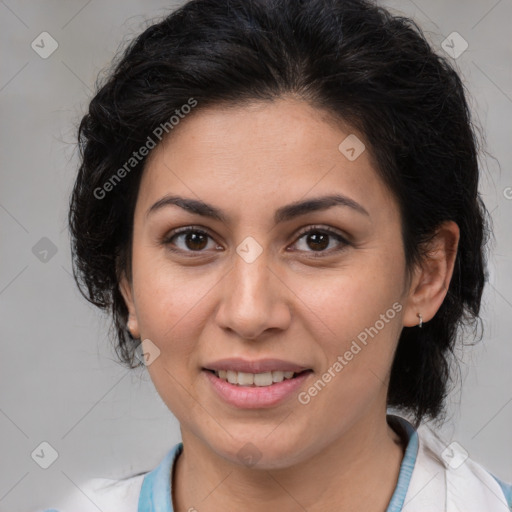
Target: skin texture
337,452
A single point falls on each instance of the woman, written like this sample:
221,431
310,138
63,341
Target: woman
278,202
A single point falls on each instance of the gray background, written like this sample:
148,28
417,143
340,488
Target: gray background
59,378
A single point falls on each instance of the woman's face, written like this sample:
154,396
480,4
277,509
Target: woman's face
254,285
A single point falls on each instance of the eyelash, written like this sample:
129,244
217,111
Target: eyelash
301,234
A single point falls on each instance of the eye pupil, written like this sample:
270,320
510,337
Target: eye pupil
320,239
195,237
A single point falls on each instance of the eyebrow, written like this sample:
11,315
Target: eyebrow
283,214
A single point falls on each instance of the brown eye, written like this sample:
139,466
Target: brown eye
195,240
192,240
316,240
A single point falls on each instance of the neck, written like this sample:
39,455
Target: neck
358,471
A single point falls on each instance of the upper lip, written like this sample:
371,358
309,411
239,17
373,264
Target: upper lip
254,366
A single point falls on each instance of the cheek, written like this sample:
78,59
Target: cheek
354,311
170,305
171,311
347,301
355,324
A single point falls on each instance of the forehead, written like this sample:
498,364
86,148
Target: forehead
264,152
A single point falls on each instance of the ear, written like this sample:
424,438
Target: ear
126,290
432,277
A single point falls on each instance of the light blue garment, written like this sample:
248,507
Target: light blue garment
155,494
507,490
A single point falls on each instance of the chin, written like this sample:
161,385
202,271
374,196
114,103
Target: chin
257,452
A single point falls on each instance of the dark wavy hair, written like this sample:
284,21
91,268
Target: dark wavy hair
351,58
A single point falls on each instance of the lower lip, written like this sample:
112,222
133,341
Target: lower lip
248,397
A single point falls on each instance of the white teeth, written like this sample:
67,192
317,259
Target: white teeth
246,379
256,379
261,379
277,376
232,377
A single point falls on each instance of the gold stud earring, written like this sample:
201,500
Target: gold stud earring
420,325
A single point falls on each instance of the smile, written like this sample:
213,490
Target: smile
254,379
262,392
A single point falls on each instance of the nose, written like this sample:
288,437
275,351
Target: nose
254,299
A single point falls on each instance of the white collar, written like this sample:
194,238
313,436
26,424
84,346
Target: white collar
445,479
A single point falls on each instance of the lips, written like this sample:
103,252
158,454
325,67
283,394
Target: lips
255,397
254,366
